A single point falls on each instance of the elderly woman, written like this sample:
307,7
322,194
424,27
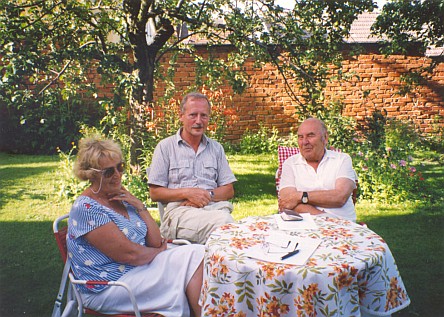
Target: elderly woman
112,237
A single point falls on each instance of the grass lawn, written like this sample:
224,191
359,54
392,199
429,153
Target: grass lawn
31,266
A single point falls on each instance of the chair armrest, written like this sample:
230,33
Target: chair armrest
112,283
179,241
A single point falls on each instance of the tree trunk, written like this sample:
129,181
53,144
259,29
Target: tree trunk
138,14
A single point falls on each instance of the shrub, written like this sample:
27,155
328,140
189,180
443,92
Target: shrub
391,176
70,187
262,141
435,139
382,151
41,125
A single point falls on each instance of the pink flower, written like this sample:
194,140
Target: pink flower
393,166
389,149
402,163
412,169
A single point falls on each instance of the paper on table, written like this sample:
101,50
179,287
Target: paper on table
306,223
274,253
279,242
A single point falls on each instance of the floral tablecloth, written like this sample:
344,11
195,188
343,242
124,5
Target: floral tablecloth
352,272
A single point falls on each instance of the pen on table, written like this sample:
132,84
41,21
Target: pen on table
286,256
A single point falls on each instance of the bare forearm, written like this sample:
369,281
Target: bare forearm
163,194
222,193
111,241
140,255
290,197
307,208
153,238
326,198
197,197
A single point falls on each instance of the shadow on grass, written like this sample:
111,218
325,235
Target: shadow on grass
415,239
30,269
254,186
11,178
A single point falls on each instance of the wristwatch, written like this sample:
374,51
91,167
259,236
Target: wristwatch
304,198
211,195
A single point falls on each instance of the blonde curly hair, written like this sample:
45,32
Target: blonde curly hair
91,150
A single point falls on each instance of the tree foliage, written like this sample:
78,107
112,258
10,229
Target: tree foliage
49,47
411,24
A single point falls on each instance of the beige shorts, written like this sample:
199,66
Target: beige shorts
195,224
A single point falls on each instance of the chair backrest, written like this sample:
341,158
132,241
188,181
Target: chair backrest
60,232
284,152
160,206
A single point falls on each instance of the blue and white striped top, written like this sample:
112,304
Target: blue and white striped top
88,263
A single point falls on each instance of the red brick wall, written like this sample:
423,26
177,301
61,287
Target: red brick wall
266,102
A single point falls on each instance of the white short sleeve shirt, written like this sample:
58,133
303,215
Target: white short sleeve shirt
297,173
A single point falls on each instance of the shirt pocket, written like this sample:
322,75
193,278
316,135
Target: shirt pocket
209,170
179,171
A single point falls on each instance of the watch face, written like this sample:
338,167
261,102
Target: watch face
304,198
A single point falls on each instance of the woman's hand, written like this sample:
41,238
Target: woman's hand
163,245
153,238
125,195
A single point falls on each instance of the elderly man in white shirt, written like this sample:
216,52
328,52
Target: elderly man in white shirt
317,181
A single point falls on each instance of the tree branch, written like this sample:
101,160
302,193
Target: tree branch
65,67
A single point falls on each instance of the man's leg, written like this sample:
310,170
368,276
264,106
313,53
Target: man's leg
195,224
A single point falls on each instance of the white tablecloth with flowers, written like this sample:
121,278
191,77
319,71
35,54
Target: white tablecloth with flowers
352,272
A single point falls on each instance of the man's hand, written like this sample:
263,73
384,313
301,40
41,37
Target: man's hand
197,197
288,198
307,208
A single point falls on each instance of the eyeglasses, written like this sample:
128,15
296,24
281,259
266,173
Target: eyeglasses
108,172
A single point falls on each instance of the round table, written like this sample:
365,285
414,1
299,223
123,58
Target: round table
351,273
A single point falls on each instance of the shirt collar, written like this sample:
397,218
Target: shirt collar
301,160
204,140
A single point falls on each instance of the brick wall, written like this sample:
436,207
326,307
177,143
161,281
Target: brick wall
373,85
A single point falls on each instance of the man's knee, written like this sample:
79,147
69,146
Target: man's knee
225,218
206,225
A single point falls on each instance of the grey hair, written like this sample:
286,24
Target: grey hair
193,95
324,129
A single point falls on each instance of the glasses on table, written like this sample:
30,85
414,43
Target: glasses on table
269,247
109,172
